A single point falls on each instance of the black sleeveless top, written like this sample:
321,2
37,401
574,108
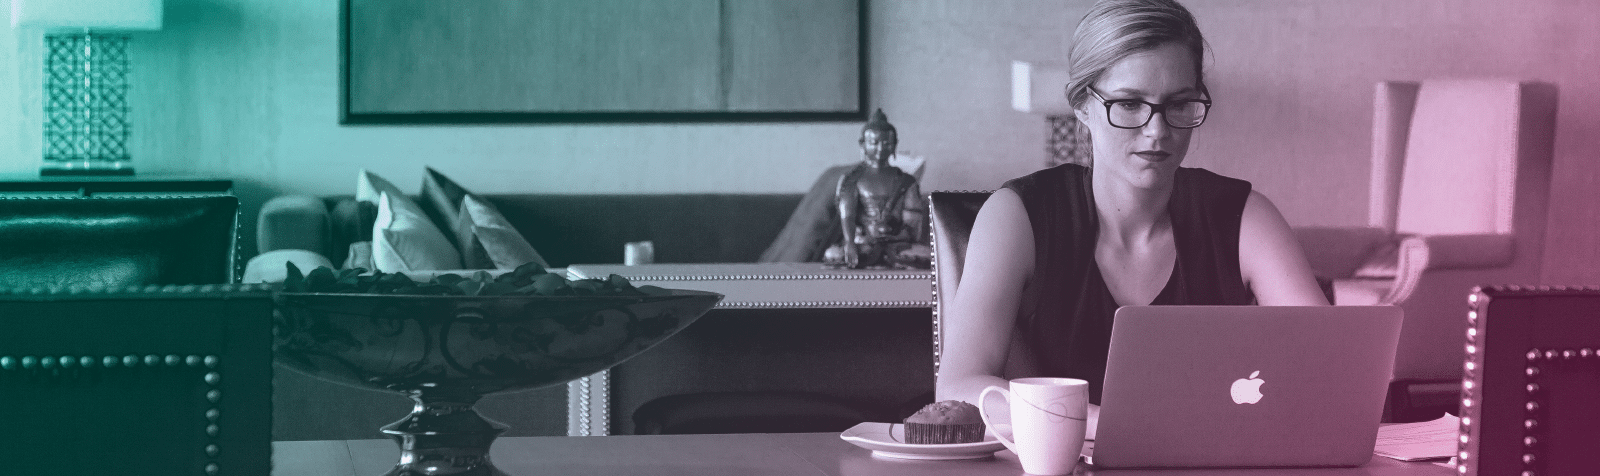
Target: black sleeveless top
1065,321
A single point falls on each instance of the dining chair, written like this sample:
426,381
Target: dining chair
1531,377
952,215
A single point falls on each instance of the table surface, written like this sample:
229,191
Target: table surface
811,454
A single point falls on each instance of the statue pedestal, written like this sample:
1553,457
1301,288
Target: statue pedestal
780,285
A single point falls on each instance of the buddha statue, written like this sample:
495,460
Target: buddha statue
881,209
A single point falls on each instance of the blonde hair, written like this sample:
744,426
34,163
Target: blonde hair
1115,29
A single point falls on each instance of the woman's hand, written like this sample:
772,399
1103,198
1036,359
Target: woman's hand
1094,422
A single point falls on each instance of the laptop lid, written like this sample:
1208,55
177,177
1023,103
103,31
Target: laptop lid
1245,386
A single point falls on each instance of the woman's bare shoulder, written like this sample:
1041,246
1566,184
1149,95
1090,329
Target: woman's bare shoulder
1270,258
1004,203
1002,234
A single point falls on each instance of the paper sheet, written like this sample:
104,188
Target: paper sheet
1419,441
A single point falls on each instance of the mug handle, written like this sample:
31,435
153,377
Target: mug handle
1010,445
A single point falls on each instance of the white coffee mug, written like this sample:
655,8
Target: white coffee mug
1048,419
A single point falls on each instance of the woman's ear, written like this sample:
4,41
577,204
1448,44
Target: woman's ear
1082,112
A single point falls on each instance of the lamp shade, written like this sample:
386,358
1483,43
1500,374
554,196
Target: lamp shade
92,14
1039,88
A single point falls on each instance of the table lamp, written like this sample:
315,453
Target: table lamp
1042,88
86,79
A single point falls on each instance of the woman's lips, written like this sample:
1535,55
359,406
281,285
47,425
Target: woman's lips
1153,155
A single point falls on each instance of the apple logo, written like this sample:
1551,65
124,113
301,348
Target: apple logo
1248,390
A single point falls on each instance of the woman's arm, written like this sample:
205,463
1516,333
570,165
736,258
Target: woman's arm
1271,260
977,327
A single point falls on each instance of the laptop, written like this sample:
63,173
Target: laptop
1245,386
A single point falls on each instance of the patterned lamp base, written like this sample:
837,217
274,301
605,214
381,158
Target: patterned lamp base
1068,142
86,106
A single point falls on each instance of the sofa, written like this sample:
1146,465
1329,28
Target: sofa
571,229
565,230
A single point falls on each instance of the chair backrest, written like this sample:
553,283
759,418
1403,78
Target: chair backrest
170,380
1450,156
1527,402
118,242
952,215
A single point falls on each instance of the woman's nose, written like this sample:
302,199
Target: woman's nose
1157,126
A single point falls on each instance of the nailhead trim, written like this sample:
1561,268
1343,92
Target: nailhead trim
583,407
1533,407
212,377
779,277
822,304
137,289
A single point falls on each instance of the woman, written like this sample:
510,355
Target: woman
1053,254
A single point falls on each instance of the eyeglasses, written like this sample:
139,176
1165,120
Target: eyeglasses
1134,113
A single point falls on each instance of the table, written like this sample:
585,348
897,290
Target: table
811,454
862,335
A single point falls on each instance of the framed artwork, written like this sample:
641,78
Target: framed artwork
571,61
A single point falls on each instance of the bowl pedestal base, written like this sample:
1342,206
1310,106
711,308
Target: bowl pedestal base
443,436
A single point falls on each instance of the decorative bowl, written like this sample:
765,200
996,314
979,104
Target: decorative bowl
447,351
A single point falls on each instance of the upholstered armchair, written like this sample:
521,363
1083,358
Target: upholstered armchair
124,349
137,380
1460,173
115,242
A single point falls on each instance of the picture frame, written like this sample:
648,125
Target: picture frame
606,61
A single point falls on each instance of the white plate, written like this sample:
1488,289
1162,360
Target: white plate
888,440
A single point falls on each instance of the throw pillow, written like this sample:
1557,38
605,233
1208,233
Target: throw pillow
814,224
441,200
359,256
404,240
488,240
352,222
369,187
269,267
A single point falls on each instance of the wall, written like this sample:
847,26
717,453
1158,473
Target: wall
248,89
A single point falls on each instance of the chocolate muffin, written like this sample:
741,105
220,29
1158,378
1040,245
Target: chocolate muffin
949,421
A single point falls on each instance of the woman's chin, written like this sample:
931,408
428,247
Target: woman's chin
1152,177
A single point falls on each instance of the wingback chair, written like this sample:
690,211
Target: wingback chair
1460,173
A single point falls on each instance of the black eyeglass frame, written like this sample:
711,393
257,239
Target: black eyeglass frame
1154,108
